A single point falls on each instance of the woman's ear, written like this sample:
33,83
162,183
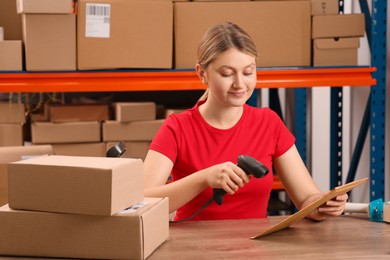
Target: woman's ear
201,73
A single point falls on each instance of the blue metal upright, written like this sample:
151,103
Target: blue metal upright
336,129
378,99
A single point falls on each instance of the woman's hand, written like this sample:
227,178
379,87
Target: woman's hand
227,176
332,208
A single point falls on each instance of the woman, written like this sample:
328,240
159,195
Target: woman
199,147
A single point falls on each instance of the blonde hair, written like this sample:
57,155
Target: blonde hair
221,38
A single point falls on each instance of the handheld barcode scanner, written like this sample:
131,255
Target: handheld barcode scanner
117,150
250,166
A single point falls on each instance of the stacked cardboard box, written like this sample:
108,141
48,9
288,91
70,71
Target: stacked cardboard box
68,134
81,207
124,34
135,124
280,29
335,36
10,53
49,34
63,121
12,119
10,154
10,20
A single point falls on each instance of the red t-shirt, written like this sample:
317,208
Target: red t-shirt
192,145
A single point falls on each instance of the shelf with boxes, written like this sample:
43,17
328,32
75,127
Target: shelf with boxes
272,24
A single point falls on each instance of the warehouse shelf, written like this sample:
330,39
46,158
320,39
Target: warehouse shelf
98,81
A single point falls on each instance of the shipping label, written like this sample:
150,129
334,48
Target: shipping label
97,22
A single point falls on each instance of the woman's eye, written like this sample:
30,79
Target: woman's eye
226,74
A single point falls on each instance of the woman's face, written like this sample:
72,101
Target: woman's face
231,78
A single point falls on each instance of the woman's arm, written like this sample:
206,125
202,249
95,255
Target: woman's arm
157,168
301,188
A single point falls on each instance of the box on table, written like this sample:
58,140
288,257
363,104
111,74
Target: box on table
75,184
74,113
131,131
10,20
49,34
66,132
131,234
124,34
12,154
83,149
11,135
11,55
335,52
134,149
12,112
280,29
324,7
135,111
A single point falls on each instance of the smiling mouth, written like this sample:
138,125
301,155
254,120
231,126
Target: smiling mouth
237,94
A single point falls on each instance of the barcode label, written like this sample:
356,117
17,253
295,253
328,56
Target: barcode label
98,9
97,20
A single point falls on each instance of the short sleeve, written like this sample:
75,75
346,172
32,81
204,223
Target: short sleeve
166,139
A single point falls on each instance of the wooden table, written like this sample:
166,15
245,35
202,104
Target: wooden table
345,237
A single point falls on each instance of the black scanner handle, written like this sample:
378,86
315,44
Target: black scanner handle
250,166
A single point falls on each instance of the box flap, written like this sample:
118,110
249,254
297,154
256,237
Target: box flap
337,43
345,25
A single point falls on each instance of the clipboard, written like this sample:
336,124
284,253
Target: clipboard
312,206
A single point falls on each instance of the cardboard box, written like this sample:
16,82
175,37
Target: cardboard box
130,34
12,154
11,134
135,111
280,29
75,184
67,132
332,26
324,7
12,112
11,55
335,52
127,235
50,41
134,149
75,113
44,6
85,149
132,131
3,184
10,20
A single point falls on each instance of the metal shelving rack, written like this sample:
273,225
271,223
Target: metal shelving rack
299,78
374,116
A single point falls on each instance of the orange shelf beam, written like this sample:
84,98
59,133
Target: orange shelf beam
176,80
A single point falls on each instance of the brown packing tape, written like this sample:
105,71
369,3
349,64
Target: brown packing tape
311,207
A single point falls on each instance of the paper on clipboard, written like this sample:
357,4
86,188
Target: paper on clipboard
311,207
